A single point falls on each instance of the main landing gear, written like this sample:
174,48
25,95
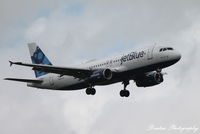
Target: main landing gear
124,92
90,91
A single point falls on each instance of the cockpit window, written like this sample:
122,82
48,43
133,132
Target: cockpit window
165,49
170,48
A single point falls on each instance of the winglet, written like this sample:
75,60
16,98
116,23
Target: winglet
11,63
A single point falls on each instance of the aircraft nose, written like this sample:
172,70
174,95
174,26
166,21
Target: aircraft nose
178,56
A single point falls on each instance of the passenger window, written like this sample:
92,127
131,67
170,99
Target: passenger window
164,49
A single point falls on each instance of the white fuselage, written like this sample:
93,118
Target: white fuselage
124,65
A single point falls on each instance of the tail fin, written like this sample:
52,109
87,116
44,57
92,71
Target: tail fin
38,57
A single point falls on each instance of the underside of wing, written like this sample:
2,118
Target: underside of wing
24,80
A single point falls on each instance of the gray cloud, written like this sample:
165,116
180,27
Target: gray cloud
99,29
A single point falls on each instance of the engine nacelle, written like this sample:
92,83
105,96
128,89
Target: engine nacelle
100,76
150,79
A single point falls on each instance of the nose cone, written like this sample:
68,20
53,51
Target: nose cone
178,56
174,57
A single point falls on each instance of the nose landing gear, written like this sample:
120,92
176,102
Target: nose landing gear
124,92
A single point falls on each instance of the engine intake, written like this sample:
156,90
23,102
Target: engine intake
150,79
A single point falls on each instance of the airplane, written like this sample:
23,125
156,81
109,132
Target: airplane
143,66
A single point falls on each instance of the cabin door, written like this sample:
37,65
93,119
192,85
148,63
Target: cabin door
150,53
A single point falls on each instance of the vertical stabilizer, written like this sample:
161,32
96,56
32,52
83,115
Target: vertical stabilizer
38,57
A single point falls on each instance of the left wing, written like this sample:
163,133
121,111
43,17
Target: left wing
76,72
24,80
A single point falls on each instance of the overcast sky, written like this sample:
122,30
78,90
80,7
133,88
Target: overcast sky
70,32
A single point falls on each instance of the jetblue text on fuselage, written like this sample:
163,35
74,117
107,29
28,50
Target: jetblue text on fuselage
131,56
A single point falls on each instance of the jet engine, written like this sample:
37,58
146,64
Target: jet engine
150,79
100,76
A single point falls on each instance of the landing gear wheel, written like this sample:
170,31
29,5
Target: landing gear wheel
90,91
93,91
124,93
127,93
87,91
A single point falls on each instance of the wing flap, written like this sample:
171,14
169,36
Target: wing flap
24,80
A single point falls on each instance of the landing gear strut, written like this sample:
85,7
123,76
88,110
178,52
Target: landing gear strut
90,91
124,92
158,70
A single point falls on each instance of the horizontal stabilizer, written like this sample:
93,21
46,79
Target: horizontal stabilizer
24,80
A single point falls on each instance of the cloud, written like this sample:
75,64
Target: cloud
72,32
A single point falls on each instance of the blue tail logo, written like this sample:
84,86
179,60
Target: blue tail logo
40,58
